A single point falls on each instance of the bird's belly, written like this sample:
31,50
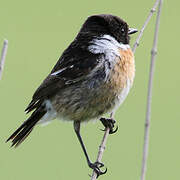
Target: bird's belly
89,104
107,100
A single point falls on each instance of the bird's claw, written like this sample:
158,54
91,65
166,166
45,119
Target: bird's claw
110,124
96,167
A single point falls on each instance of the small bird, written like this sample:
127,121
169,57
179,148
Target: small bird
93,76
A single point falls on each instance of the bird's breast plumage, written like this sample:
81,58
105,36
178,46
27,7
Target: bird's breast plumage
121,77
123,70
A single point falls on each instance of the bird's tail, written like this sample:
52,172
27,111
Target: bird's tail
25,129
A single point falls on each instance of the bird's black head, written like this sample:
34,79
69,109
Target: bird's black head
99,25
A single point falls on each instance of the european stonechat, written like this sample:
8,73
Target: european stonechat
92,77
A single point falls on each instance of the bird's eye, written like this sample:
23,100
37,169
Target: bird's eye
122,30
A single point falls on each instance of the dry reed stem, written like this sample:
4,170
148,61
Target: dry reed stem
149,97
3,56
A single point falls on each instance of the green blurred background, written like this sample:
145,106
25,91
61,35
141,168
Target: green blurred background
38,32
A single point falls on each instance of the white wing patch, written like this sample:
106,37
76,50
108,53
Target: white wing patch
61,70
58,72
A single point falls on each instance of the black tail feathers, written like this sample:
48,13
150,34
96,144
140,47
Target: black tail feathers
25,129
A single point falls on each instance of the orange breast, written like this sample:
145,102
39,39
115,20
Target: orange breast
124,70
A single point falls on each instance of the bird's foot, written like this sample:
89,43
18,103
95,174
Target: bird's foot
109,123
96,167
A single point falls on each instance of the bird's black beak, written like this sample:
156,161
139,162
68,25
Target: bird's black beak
132,31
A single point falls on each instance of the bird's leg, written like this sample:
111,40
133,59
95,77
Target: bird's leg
109,123
95,166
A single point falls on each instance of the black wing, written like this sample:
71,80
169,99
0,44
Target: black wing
74,64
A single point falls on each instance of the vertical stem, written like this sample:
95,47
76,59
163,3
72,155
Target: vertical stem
3,56
149,97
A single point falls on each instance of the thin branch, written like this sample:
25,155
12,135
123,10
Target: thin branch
3,56
101,148
149,97
103,142
101,151
136,44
